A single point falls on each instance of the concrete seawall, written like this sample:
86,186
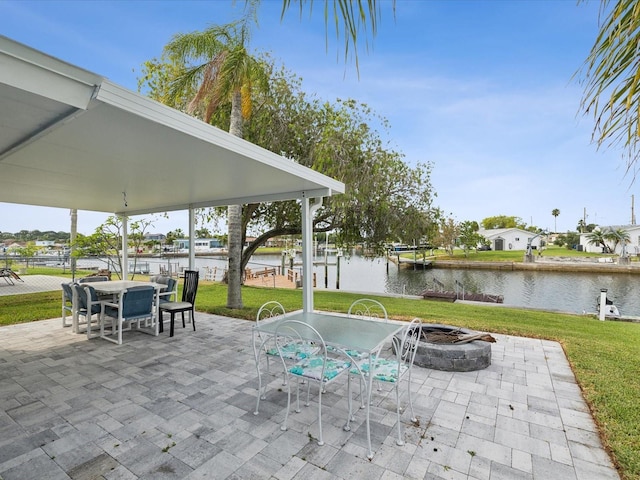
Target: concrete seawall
543,265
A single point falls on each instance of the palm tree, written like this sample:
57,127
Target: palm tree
598,237
219,69
618,236
355,15
555,212
612,71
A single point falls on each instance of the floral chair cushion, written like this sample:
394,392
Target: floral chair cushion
384,370
311,367
293,351
355,354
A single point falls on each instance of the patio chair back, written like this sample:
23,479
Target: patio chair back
166,293
96,278
86,295
135,306
137,302
190,287
67,303
368,308
269,310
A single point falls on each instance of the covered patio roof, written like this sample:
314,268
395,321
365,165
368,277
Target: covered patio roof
70,138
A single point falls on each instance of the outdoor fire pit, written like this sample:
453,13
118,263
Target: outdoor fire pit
440,349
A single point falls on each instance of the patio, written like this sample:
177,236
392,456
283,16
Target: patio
182,407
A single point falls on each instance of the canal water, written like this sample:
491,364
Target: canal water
573,292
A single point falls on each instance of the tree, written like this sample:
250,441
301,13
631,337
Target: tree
611,78
386,200
502,221
447,235
28,251
555,212
598,237
218,67
618,236
583,227
469,237
106,242
203,233
569,239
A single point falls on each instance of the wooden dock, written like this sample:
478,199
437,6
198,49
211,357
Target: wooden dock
269,278
270,281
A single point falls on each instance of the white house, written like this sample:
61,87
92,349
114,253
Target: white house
511,238
633,247
200,245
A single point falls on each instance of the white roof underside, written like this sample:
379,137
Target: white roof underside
72,139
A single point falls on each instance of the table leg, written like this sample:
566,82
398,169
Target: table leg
368,387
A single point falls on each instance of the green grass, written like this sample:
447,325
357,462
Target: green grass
605,356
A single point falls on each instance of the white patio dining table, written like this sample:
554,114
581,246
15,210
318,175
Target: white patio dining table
115,288
344,333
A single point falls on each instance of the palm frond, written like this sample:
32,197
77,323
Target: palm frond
611,74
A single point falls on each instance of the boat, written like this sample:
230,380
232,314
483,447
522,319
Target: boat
611,311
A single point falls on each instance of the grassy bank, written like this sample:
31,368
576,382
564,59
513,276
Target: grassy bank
605,356
508,255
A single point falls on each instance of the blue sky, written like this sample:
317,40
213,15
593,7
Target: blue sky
485,90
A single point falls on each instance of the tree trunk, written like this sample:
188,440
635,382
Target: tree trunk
234,214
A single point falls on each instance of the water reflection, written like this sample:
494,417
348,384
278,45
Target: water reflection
574,292
568,292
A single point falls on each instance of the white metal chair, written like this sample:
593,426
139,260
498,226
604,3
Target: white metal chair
269,310
317,368
392,370
135,306
273,310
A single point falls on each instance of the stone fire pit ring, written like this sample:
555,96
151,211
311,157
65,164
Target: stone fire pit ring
452,357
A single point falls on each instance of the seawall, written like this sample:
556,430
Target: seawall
547,265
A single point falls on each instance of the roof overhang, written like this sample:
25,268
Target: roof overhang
70,138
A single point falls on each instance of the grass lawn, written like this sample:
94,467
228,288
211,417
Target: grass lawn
605,356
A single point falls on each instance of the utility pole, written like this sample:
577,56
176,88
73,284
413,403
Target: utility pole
633,213
584,219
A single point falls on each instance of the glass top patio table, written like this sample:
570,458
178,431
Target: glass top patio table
345,333
340,331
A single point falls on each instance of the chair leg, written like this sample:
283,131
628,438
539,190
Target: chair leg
183,324
193,319
399,440
320,439
160,319
171,327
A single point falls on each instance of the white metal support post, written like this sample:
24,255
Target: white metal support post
603,304
192,236
307,254
124,273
